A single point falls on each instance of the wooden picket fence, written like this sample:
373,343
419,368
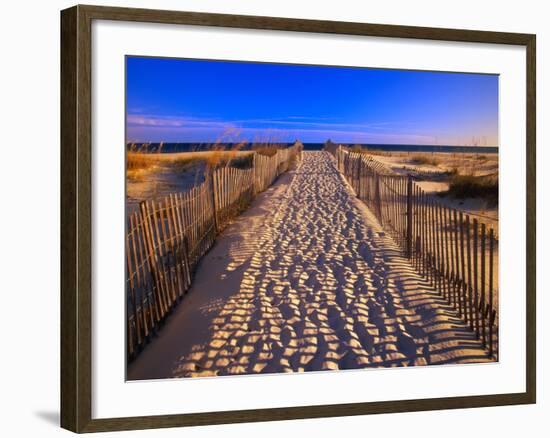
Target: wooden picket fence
455,253
268,168
166,239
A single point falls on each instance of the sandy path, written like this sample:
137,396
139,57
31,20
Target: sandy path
306,280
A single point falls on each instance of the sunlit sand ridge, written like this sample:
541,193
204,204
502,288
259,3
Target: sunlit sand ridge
306,280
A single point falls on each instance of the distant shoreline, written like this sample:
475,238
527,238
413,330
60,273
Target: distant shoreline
195,147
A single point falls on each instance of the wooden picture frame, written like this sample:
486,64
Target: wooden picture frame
76,217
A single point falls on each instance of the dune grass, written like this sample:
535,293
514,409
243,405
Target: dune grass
469,186
142,158
370,150
136,161
424,159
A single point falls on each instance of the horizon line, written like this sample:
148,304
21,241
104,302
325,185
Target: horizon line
307,142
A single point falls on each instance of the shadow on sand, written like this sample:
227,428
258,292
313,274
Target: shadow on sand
306,280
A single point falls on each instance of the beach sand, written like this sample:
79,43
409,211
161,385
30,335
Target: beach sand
305,280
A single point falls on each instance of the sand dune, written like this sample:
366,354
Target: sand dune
306,280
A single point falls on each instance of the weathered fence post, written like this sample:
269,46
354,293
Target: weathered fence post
378,199
255,190
358,191
409,216
214,203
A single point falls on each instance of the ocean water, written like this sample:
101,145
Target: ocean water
189,147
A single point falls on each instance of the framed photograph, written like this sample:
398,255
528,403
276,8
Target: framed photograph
269,218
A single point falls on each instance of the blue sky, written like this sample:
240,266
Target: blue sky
176,100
